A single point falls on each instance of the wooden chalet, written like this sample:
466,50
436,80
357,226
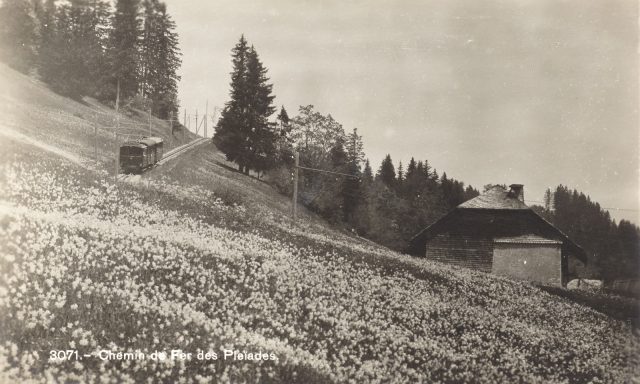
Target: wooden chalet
497,232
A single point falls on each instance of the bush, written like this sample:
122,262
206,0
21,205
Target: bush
281,178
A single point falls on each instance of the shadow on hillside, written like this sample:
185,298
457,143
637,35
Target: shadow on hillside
227,167
617,307
235,170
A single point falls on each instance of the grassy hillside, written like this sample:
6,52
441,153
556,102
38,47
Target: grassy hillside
200,258
33,114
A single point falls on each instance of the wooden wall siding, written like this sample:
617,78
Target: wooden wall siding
540,263
484,223
464,251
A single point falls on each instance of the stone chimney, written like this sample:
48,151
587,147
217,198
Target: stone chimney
517,190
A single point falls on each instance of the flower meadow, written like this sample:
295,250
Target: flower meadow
89,266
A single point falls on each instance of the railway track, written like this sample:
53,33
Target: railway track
169,155
172,154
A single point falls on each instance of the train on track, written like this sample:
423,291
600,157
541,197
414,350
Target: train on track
138,155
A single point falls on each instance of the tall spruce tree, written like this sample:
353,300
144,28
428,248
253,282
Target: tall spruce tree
159,59
232,130
124,43
75,51
148,45
262,134
244,133
165,91
96,17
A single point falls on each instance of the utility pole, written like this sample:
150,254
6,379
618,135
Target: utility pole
171,124
95,137
117,149
294,198
206,113
185,123
149,122
197,121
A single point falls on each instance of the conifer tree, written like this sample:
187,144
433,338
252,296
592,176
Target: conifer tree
232,131
75,51
159,59
244,133
148,45
434,176
124,43
262,134
97,22
283,122
387,172
410,168
354,147
367,174
284,141
470,193
62,68
427,170
612,248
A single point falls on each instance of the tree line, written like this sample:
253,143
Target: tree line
388,205
91,48
613,248
391,203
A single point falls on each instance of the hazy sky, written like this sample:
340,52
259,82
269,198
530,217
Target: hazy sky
532,92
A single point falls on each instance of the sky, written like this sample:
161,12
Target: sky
540,92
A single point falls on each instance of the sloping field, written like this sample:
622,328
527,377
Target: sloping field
33,114
199,258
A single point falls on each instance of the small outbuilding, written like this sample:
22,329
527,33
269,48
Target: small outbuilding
497,232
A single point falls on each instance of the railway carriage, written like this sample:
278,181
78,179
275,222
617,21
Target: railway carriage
137,155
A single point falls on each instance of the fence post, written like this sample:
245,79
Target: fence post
295,185
95,138
117,148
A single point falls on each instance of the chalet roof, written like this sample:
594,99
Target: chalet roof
500,214
495,198
526,239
